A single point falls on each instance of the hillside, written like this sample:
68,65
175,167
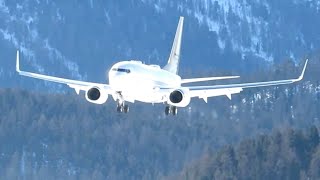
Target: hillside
60,136
286,154
81,40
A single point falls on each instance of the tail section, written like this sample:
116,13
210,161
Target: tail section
173,62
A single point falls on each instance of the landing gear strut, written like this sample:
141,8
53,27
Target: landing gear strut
171,110
122,107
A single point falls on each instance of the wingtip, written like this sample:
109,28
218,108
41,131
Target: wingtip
181,19
303,71
232,77
17,62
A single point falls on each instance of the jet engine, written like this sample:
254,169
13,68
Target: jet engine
96,95
179,98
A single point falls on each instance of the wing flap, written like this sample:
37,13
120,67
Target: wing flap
204,94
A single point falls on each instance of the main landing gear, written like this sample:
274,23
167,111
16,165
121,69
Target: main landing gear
122,107
171,110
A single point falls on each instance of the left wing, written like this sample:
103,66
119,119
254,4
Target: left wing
77,85
185,81
218,90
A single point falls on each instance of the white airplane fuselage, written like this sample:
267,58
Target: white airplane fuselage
136,81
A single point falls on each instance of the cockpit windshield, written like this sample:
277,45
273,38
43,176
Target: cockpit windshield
121,70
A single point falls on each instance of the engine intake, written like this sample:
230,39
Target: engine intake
179,97
96,95
176,96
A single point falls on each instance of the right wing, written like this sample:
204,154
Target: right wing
218,90
76,85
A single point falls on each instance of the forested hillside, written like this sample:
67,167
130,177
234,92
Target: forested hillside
82,39
61,136
287,154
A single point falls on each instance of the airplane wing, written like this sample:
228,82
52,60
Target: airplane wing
77,85
185,81
218,90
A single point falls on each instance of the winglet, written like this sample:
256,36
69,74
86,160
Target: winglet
17,62
303,71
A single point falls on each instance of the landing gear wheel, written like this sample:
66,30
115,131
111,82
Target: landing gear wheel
125,108
167,110
171,110
119,109
122,108
174,110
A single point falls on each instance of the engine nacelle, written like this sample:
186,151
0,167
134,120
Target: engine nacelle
96,95
179,98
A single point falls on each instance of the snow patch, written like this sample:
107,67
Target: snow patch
19,7
59,16
257,97
292,55
202,10
106,15
221,44
9,37
213,26
3,7
54,54
158,7
29,21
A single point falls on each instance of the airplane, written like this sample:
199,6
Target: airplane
131,81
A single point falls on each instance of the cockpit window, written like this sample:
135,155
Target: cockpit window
121,70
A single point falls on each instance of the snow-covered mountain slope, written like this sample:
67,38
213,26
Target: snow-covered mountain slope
82,39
